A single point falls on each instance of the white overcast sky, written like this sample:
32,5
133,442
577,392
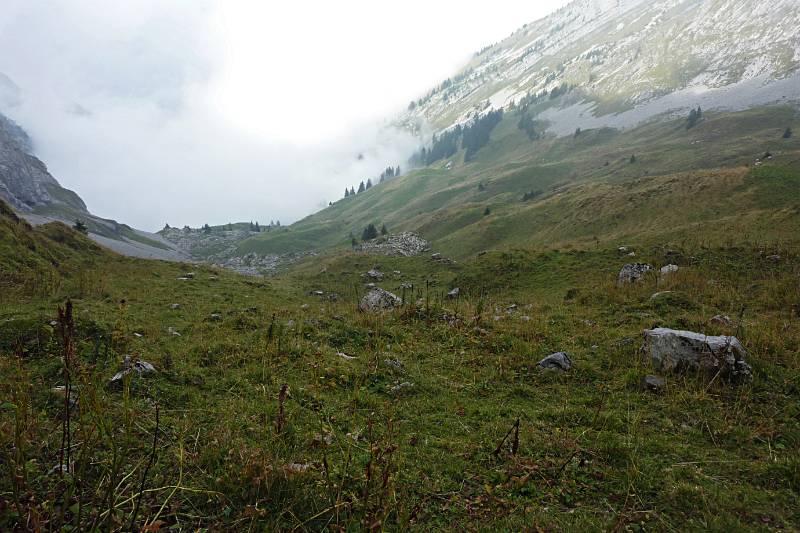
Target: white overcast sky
200,111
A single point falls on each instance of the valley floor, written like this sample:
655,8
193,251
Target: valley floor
275,408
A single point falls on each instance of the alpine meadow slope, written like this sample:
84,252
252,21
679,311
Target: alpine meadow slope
504,378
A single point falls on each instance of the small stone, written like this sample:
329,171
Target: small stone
436,256
216,317
559,361
397,389
721,320
172,331
345,356
175,307
137,335
774,258
668,269
395,363
129,365
633,272
452,295
374,274
653,383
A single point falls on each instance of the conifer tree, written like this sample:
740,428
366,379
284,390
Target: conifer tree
361,187
369,184
788,133
370,232
384,231
80,226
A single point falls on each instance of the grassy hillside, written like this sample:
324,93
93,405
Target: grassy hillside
401,433
585,186
39,258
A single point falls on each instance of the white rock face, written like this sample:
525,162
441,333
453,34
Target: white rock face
648,57
671,350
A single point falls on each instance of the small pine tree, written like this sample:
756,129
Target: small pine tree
206,229
384,231
370,232
346,192
397,171
487,212
80,226
369,184
258,228
481,187
633,159
361,187
353,242
577,132
788,133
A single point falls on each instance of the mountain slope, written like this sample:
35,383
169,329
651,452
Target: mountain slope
30,189
626,55
584,188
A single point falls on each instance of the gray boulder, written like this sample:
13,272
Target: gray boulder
559,362
379,299
375,274
633,272
452,295
671,349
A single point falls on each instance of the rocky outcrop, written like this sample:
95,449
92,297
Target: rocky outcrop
404,244
633,272
25,182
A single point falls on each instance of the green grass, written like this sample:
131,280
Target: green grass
596,452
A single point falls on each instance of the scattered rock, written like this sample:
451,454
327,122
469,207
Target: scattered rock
345,356
370,285
622,250
175,307
316,293
295,468
395,363
774,258
397,389
377,300
137,335
406,286
189,275
452,295
304,306
559,362
525,318
172,331
290,323
216,317
375,274
653,383
511,308
632,254
722,320
671,350
668,269
436,256
129,365
633,272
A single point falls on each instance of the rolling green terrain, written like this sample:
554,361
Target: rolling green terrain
587,190
396,420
